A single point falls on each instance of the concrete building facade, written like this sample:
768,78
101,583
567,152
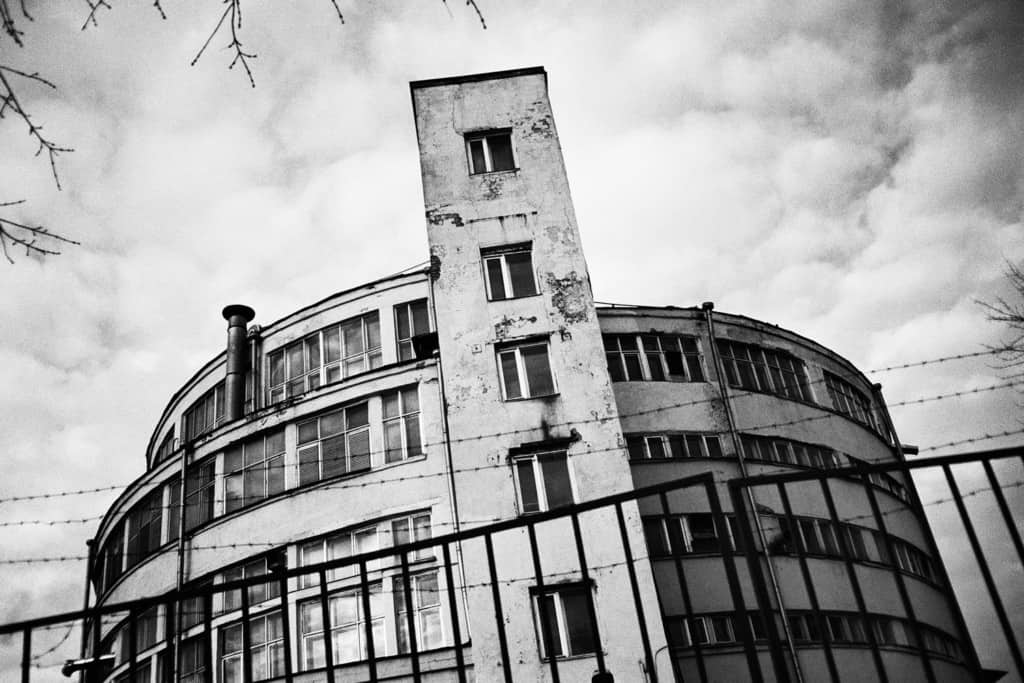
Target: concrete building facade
490,387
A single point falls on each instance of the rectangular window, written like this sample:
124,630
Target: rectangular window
490,151
565,612
193,660
335,443
509,271
411,319
695,532
426,615
765,370
253,470
543,481
333,353
525,370
205,414
144,527
193,610
199,483
166,448
850,401
402,425
258,593
145,634
347,627
409,529
113,564
266,653
673,446
653,357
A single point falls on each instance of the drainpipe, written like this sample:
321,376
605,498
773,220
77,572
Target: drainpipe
180,577
91,545
237,360
723,388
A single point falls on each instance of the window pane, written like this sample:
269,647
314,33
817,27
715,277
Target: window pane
359,451
412,436
527,486
276,368
420,319
308,432
476,154
352,332
538,371
549,626
635,446
555,473
615,367
358,416
494,278
372,322
391,405
402,322
393,441
500,147
633,371
656,446
309,465
510,374
332,344
520,272
577,617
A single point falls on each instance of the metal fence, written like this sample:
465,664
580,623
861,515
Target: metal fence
782,548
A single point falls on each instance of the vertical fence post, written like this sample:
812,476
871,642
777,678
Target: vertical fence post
685,591
460,663
1011,525
499,614
410,616
286,628
246,637
26,655
637,602
585,575
207,638
325,618
371,647
133,643
545,626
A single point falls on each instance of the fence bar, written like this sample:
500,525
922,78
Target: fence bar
739,505
325,617
1011,525
208,638
684,589
410,610
585,575
246,638
371,647
637,602
985,572
901,584
170,652
739,605
545,626
285,627
851,571
805,571
499,615
133,643
460,663
26,655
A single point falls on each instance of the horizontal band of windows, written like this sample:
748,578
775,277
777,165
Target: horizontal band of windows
653,357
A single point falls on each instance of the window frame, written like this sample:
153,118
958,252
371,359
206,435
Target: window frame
420,611
483,137
760,369
561,622
522,375
403,345
316,637
540,486
212,406
403,418
500,256
265,648
347,433
264,466
674,446
644,357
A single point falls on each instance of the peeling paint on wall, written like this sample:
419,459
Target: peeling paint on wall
492,186
437,216
502,328
569,296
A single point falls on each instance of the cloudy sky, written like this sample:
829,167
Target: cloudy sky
849,170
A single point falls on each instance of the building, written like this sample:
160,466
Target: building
490,389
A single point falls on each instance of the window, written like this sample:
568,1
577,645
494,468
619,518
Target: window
543,482
411,319
653,357
849,400
266,652
347,627
402,425
767,370
335,443
409,529
695,532
193,610
199,481
193,660
426,607
789,452
253,470
673,446
565,613
166,448
490,151
145,633
525,370
113,556
509,272
326,356
173,487
205,414
258,593
144,522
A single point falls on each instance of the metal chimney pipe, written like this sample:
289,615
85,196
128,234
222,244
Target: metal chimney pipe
238,316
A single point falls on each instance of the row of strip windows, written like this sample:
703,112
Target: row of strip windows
771,371
850,401
653,357
839,628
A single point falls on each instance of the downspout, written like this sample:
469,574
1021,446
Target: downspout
723,388
432,274
91,545
180,578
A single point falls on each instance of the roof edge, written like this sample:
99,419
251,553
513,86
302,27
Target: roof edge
473,78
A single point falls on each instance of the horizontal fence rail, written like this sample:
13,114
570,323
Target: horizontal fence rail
779,576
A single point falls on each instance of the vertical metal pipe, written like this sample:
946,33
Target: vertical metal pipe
685,591
286,628
410,616
990,583
901,584
26,654
585,575
723,389
545,627
246,638
460,663
371,653
90,544
1011,525
499,614
851,572
207,638
325,617
133,643
812,594
637,602
179,582
236,359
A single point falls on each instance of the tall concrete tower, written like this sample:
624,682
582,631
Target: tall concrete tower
532,418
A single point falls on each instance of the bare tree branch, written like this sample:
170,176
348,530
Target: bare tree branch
1010,312
9,102
35,239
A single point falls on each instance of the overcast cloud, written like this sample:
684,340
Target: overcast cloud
849,170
